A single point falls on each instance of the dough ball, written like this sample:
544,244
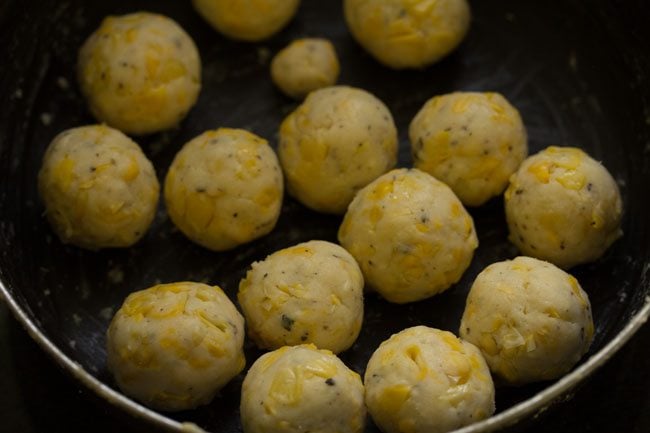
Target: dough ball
224,188
248,20
311,292
140,73
410,235
304,66
405,33
98,188
563,207
531,320
338,141
424,380
302,389
173,346
471,141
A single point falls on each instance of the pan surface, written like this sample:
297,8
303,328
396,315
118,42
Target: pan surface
577,70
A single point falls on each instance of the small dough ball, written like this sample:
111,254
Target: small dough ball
406,33
140,73
304,66
224,188
338,141
410,234
99,189
531,320
173,346
302,389
311,292
563,207
471,141
247,20
424,380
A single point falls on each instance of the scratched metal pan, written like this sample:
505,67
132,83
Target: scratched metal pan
578,70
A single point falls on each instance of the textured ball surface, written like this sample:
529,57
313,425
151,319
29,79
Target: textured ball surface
140,73
173,346
98,188
531,320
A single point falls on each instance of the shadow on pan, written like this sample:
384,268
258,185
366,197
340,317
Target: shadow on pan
578,71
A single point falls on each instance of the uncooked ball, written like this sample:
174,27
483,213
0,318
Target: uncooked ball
564,207
140,73
305,65
173,346
311,292
247,20
406,33
531,320
471,141
410,234
338,141
98,188
423,380
224,188
302,389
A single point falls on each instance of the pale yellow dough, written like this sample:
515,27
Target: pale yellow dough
406,33
248,20
471,141
140,73
302,389
338,141
564,207
531,320
309,293
410,234
224,188
305,65
424,380
173,346
98,188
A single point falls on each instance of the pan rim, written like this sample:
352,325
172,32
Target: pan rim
529,407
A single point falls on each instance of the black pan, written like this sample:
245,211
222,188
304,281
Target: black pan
578,70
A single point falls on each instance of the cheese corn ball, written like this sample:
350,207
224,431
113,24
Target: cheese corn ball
338,141
311,292
247,20
405,33
410,235
471,141
531,320
140,73
304,66
224,188
173,346
563,207
423,380
98,188
302,389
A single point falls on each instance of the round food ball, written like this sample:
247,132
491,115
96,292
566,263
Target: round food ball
405,33
531,320
311,292
247,20
302,389
173,346
224,188
424,380
563,207
471,141
338,141
98,188
410,235
304,66
140,73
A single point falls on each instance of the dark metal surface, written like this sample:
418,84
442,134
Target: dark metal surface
577,70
